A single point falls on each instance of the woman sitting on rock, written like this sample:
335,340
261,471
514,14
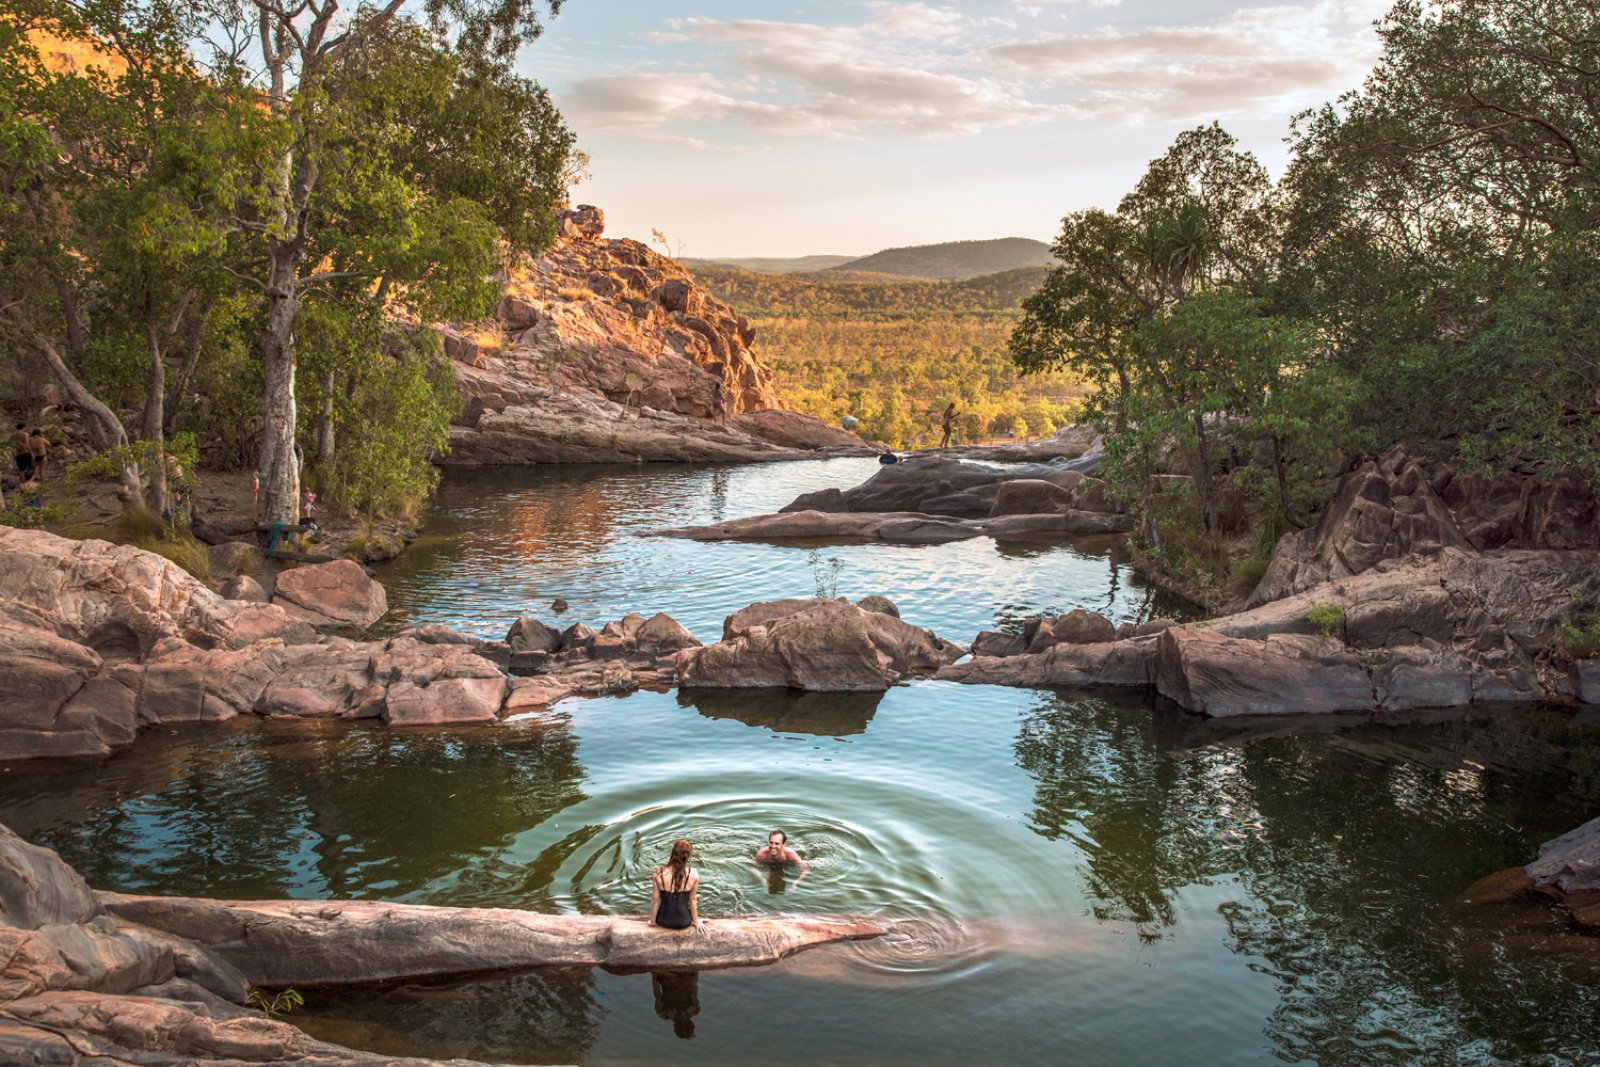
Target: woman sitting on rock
675,892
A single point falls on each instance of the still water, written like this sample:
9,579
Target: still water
1086,878
499,544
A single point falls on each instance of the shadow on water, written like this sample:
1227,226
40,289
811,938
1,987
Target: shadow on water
787,711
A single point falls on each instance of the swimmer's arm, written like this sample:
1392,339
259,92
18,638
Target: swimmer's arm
655,901
694,907
805,868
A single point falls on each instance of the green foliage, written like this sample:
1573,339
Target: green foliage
1327,617
275,1004
393,419
825,573
1580,636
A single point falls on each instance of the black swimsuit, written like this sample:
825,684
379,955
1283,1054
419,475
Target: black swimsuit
674,910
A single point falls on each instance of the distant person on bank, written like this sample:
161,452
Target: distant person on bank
948,423
39,445
675,892
22,447
779,854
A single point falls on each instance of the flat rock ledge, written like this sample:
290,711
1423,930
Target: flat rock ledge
115,980
1459,628
300,943
899,527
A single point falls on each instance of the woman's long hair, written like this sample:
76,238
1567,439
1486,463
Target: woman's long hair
679,863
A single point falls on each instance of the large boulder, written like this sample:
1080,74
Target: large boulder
338,594
817,645
1207,672
528,634
120,601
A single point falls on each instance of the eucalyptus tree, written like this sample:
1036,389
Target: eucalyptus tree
109,238
302,55
1152,306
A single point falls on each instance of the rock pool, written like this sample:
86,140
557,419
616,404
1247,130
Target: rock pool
1093,879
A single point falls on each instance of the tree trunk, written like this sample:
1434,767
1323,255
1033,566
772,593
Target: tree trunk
1206,484
278,464
104,424
325,436
1280,468
155,405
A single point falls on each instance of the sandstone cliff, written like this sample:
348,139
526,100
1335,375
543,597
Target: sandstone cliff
604,351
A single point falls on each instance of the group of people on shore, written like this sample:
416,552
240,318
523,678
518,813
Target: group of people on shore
32,451
675,886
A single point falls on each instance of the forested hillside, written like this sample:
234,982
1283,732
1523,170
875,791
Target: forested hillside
894,352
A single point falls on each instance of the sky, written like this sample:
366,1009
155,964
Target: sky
847,126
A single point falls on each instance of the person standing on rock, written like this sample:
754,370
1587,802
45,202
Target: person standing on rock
675,892
948,424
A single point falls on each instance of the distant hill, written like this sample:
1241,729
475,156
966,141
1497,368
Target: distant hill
774,264
761,294
953,260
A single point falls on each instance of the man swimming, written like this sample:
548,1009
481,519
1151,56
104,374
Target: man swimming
779,854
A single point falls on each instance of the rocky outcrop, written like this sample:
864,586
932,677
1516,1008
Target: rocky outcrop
114,980
815,645
939,484
1396,506
604,351
1461,628
340,593
934,498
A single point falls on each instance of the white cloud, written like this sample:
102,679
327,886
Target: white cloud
929,69
1253,58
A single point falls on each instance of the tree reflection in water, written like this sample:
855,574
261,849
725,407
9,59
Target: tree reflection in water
1346,840
319,810
549,1015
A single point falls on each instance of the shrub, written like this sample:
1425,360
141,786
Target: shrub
577,294
182,549
1326,617
1580,636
